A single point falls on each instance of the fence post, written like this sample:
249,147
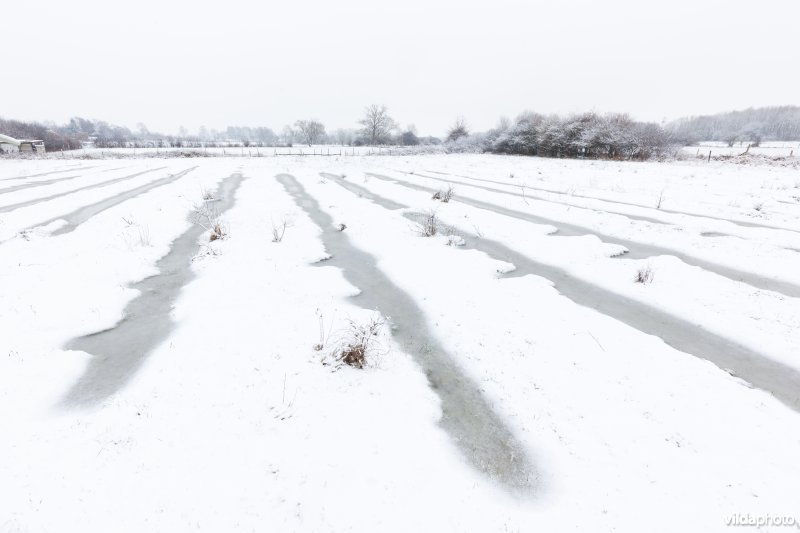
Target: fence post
709,156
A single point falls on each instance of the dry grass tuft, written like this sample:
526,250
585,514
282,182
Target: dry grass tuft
279,230
358,343
217,232
644,275
444,196
428,225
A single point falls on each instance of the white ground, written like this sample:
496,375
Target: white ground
769,148
233,151
233,423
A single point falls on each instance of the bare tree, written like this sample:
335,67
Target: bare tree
310,131
288,135
376,124
344,137
458,129
409,138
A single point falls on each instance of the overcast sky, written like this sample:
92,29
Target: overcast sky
171,63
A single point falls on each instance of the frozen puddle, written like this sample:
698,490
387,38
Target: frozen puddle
780,380
475,428
636,250
32,184
543,199
71,169
79,216
35,201
118,352
742,223
717,234
363,192
712,234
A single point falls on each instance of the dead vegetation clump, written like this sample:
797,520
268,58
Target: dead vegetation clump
279,230
217,232
644,275
207,216
428,225
206,194
455,240
358,343
444,195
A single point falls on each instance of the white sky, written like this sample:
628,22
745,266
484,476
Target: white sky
169,63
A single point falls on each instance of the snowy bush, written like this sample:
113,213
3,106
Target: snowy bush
614,136
358,343
444,195
207,216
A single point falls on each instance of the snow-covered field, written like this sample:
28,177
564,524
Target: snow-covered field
154,380
229,151
768,149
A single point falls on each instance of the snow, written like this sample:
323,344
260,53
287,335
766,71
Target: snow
769,149
234,423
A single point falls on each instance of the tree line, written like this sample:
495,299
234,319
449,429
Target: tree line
593,135
780,123
54,138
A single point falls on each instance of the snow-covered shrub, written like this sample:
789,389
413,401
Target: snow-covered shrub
207,216
444,195
614,136
458,130
218,232
358,343
467,144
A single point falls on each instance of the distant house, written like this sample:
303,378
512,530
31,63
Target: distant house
10,144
